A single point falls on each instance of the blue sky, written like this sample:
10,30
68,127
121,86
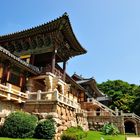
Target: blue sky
108,29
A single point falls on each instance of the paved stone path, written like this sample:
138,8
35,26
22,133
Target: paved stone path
133,138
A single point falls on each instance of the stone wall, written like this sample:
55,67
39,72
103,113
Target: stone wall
97,122
7,107
64,115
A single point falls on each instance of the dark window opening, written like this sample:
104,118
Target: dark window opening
14,79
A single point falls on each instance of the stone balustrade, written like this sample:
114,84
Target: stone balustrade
103,107
9,93
51,96
131,115
98,113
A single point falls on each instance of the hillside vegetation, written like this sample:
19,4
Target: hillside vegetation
124,96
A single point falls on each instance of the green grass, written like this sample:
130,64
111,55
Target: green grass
2,138
94,135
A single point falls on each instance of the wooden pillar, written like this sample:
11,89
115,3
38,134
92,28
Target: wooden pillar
53,60
1,72
64,70
8,75
32,59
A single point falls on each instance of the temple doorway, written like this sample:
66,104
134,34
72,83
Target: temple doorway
130,127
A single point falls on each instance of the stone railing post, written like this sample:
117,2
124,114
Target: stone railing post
116,111
19,98
9,87
121,113
9,91
39,95
27,94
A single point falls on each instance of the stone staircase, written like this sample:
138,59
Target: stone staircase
105,108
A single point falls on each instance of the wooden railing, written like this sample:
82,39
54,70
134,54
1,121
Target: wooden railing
51,96
11,94
56,72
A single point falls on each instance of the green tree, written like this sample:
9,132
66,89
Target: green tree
136,103
122,93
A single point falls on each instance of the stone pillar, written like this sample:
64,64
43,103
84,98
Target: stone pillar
49,82
136,129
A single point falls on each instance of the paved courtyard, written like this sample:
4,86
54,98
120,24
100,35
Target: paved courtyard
133,138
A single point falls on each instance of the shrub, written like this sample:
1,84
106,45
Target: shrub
19,125
45,129
110,129
74,133
68,136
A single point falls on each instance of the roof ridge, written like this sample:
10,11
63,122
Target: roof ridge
65,15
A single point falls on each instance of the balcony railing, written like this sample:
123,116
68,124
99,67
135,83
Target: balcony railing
9,93
51,96
56,72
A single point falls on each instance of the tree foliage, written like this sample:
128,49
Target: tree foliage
124,95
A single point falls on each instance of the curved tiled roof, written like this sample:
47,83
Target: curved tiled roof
62,23
25,64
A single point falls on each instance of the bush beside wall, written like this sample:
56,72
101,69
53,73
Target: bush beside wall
19,125
110,129
45,129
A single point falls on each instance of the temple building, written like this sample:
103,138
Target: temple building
32,80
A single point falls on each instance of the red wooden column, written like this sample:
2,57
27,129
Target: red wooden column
53,60
64,70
